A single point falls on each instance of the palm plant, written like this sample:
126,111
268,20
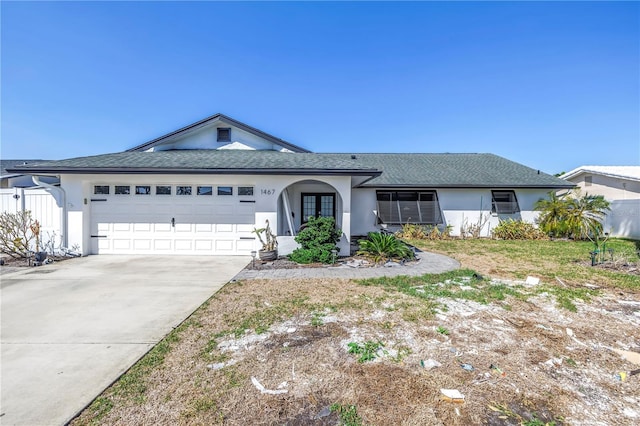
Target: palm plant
572,214
585,215
553,212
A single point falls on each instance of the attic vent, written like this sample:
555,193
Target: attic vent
224,134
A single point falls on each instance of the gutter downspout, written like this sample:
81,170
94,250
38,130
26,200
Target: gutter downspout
63,211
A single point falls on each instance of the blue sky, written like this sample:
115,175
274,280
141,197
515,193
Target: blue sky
550,85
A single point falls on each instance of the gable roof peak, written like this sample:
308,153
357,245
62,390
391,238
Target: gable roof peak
209,120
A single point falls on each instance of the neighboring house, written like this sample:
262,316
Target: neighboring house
620,185
18,180
203,188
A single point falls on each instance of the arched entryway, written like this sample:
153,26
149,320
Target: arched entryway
307,198
312,197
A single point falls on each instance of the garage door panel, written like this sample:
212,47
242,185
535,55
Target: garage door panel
102,226
184,245
162,245
183,227
204,245
122,227
244,228
224,246
203,227
224,210
142,227
224,228
162,227
247,209
121,244
139,244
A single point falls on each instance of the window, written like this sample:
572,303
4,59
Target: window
205,190
122,190
224,134
397,207
588,180
101,189
163,189
143,189
245,190
183,190
504,202
225,190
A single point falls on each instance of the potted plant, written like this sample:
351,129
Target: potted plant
39,256
269,243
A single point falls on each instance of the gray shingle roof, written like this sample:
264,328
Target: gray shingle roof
455,170
206,161
386,170
8,164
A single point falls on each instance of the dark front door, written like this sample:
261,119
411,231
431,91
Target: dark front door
318,204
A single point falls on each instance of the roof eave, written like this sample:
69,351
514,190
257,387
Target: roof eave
463,186
183,171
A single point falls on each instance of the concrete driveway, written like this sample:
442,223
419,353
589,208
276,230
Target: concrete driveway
69,329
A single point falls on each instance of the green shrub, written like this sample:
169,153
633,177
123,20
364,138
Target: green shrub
517,230
381,247
317,240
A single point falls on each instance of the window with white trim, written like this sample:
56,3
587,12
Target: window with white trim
143,189
245,190
183,190
398,207
163,189
101,189
225,190
204,190
122,190
504,202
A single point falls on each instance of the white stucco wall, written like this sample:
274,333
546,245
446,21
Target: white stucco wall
459,206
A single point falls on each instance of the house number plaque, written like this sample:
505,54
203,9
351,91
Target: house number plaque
267,191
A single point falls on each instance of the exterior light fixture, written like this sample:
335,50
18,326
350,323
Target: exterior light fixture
253,261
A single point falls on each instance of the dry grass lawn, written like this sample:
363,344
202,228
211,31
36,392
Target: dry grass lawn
534,361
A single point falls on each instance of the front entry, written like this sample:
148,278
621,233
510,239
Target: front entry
318,204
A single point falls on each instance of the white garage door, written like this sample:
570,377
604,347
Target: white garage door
172,219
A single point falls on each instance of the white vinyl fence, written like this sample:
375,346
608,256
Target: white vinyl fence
43,207
624,219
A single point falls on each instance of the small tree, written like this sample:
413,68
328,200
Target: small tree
16,234
317,240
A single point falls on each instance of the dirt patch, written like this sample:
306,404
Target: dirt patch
516,361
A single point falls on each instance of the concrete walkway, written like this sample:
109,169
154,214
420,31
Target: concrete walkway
428,263
69,329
